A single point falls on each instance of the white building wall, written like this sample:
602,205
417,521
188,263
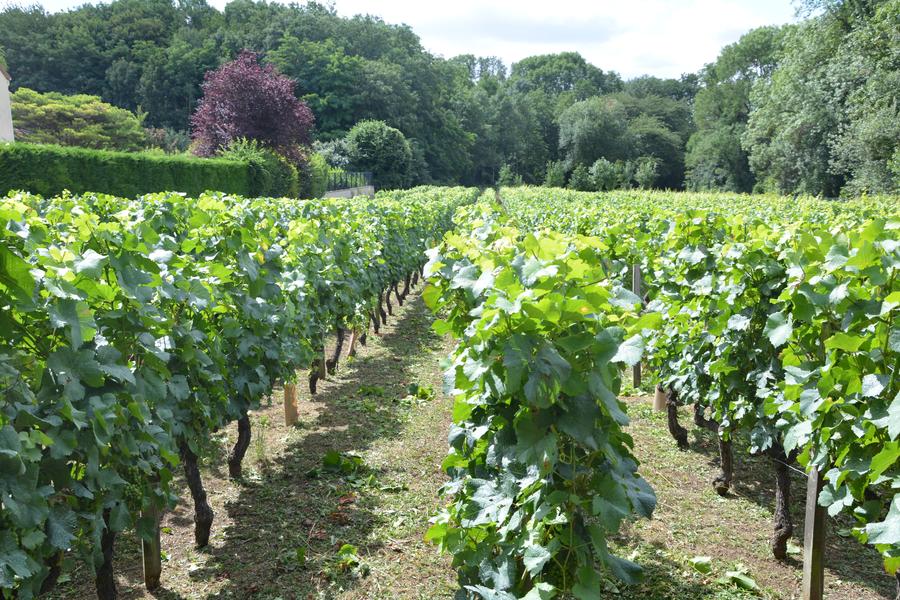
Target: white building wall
6,128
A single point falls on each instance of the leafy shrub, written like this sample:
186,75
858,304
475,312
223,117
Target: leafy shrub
374,146
604,175
270,174
315,184
48,170
556,174
79,120
646,172
581,180
508,177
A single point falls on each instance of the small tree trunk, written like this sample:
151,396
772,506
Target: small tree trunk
364,338
722,482
240,448
105,580
381,308
354,337
784,526
396,287
203,512
387,302
54,569
679,433
375,324
332,364
415,278
313,381
406,282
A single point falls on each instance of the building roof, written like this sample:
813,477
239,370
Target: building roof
5,74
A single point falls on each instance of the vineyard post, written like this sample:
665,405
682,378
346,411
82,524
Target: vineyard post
814,540
151,551
290,404
636,288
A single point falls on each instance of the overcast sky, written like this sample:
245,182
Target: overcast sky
634,37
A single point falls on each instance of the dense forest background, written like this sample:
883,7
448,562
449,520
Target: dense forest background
812,107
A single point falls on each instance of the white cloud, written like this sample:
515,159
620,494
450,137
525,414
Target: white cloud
656,37
634,37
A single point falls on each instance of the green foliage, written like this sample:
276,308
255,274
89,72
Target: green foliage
581,180
315,181
270,174
556,174
828,119
133,329
374,146
508,177
46,169
592,129
776,315
604,175
542,472
168,140
80,120
646,172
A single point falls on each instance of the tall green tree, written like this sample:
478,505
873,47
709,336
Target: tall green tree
829,120
715,157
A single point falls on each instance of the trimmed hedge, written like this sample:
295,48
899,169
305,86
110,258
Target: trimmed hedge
48,170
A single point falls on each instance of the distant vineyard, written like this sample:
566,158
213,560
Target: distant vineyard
775,317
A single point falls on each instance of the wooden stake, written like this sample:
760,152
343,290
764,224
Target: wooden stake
290,404
636,288
152,552
659,400
354,335
814,540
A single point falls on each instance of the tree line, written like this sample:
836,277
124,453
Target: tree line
810,107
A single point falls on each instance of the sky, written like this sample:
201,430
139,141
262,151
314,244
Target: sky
633,37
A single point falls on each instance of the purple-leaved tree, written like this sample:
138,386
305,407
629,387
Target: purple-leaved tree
243,99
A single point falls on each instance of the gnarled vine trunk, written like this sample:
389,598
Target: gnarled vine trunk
376,326
105,581
240,448
396,287
387,303
203,512
415,278
784,526
332,363
54,569
722,482
405,291
313,381
678,432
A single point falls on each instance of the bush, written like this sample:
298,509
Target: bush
646,171
48,170
374,146
270,175
508,178
556,174
79,120
604,175
581,180
315,184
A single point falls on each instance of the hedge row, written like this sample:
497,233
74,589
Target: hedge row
48,170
